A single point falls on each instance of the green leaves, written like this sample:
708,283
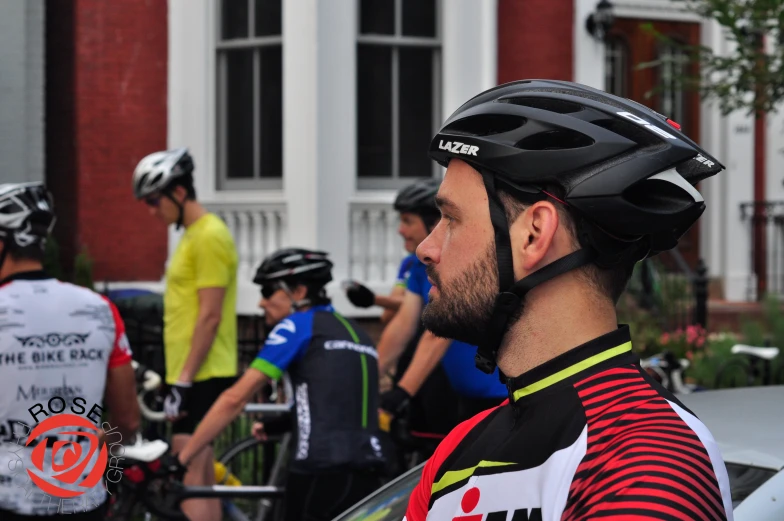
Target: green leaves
750,74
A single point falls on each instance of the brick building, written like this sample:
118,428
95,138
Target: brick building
305,116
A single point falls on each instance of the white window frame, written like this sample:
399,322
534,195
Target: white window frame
395,42
222,181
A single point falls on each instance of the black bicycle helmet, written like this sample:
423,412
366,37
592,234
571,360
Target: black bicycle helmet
625,171
295,265
418,197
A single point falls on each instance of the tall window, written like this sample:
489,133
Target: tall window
672,68
250,94
398,90
616,58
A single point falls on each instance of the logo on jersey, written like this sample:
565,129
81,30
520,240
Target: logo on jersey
275,338
470,502
53,339
457,147
63,458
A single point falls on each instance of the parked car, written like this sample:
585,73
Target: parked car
748,425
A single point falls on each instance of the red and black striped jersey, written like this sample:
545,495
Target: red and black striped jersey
587,435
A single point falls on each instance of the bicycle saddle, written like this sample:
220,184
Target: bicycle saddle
766,353
146,451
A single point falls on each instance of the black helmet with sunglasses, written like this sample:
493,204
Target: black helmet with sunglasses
290,267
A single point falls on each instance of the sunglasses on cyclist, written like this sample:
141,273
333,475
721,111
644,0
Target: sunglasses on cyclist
269,290
153,201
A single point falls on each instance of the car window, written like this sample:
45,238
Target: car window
744,480
388,503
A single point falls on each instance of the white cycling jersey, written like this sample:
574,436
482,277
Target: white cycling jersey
56,340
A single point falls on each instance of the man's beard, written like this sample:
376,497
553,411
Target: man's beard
462,311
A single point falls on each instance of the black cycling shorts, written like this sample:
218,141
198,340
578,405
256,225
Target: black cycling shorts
317,497
200,398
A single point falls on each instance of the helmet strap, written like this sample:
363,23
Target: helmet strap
512,294
296,305
179,205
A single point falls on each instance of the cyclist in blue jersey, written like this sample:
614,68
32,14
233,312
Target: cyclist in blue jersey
477,391
418,215
336,454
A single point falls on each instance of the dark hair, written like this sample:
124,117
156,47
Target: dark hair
185,181
430,219
315,292
31,252
610,282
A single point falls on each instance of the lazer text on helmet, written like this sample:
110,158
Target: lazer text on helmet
457,147
643,123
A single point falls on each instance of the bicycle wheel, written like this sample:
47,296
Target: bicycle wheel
734,373
245,460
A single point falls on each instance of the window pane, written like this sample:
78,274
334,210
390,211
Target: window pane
416,111
239,114
268,17
271,107
377,17
615,67
671,96
419,17
234,18
374,111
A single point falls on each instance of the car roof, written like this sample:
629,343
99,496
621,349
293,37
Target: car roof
747,423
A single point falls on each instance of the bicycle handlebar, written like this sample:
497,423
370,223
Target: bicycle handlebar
150,381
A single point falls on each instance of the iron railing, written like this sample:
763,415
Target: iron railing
766,228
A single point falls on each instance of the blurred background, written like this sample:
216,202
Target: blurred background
304,118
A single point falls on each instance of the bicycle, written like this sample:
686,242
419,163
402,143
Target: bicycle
251,502
752,365
668,371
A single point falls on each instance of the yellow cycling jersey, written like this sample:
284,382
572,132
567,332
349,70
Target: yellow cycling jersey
205,258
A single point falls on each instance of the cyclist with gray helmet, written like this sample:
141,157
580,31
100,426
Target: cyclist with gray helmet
418,214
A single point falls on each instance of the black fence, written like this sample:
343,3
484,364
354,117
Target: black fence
143,317
765,221
671,291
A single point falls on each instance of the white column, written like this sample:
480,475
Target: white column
300,119
588,52
191,87
470,50
336,129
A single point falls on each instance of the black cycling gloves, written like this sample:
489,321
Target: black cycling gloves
360,295
176,402
395,400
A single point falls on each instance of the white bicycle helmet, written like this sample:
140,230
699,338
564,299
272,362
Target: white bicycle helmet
26,216
155,172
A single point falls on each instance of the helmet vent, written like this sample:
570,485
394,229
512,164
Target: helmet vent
658,196
11,208
154,180
485,125
559,139
630,131
550,105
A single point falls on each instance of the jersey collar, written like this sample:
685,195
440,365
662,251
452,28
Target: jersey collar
611,349
26,275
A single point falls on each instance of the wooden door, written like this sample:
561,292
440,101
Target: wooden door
629,45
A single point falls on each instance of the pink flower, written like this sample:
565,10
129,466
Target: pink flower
665,338
700,341
689,355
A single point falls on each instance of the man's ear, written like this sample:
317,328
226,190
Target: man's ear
534,232
300,292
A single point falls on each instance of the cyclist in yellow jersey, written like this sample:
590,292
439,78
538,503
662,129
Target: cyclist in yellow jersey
200,318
